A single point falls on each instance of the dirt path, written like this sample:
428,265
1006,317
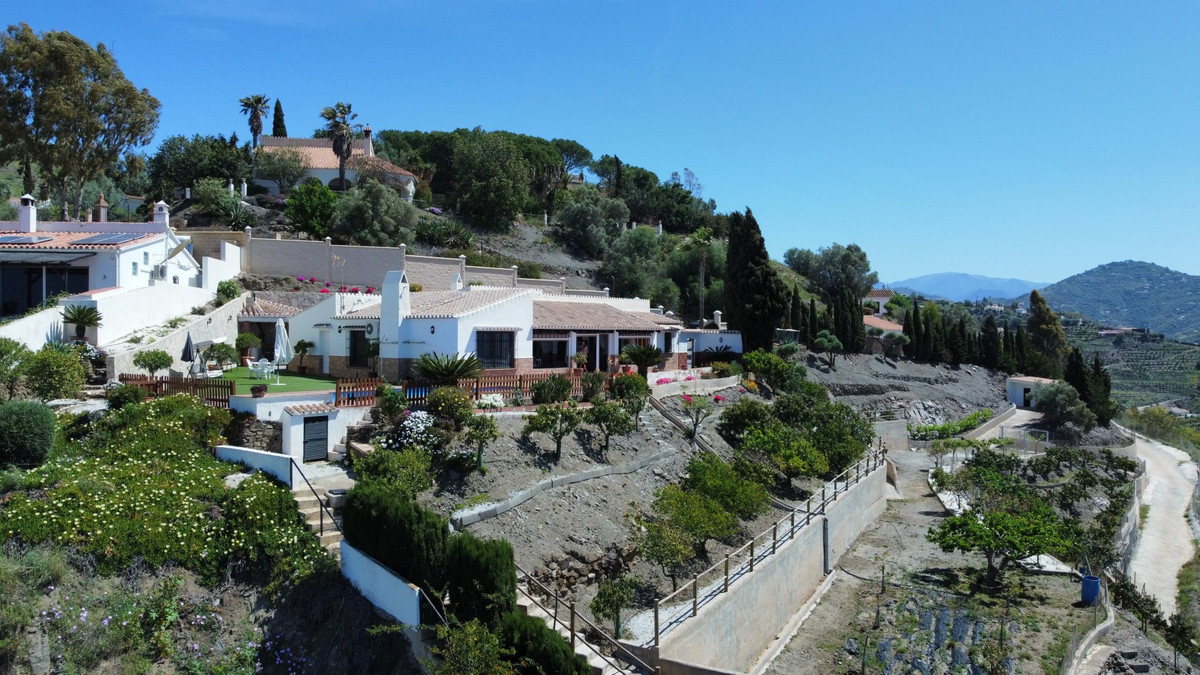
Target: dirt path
1166,543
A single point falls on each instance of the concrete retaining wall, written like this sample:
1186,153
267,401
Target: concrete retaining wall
385,590
279,466
732,631
37,329
465,517
993,423
221,322
696,387
893,432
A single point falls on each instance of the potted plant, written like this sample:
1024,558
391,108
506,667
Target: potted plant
580,360
245,342
302,348
258,390
83,318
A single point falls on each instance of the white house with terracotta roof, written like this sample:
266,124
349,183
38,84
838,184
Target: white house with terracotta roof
510,329
878,297
322,163
876,345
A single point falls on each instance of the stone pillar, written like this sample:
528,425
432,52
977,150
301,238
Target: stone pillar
187,193
231,186
244,191
102,209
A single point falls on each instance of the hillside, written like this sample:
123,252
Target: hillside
1132,293
959,286
1144,369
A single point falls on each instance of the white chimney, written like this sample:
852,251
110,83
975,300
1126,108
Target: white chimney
368,145
243,188
27,215
162,215
717,318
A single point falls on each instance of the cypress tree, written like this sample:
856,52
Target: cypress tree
1045,331
278,128
989,344
798,313
812,321
914,317
1076,375
757,297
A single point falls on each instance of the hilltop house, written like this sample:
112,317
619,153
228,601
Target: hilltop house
322,163
876,345
878,297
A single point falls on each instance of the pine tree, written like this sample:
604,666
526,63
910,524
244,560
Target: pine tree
757,297
278,128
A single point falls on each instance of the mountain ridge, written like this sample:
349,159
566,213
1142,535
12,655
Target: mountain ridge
961,286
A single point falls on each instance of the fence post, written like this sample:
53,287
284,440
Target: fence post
774,537
695,594
657,604
808,512
751,555
793,528
572,625
726,573
824,499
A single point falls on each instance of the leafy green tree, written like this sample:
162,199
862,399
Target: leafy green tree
372,214
54,373
153,360
756,298
68,109
592,222
708,475
492,178
1181,635
14,362
696,409
278,126
834,270
698,517
481,430
282,166
662,544
644,356
612,596
309,208
631,391
1060,404
829,344
781,375
785,448
611,419
1046,332
468,649
340,130
181,162
255,107
632,268
557,422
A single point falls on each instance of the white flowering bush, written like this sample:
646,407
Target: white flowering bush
490,401
413,431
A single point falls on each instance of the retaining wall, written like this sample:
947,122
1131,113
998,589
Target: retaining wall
730,633
37,329
979,431
390,593
696,387
221,322
279,466
893,432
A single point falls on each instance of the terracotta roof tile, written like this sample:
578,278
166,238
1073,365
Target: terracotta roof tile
318,153
558,315
259,308
660,319
883,324
881,293
449,304
309,409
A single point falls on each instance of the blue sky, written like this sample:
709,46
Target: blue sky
1028,140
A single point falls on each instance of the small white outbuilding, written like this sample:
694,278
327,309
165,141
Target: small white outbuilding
1020,389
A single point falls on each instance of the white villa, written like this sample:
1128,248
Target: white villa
322,163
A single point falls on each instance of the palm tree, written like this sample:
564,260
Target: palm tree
255,106
341,132
642,356
83,317
700,240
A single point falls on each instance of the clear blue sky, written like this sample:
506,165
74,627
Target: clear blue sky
1033,140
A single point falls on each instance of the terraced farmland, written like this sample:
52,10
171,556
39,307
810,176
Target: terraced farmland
1143,371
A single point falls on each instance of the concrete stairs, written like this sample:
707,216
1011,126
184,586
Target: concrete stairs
583,649
310,507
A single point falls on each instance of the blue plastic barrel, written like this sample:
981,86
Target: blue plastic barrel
1091,589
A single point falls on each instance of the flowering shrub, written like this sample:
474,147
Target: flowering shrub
412,432
300,279
490,401
751,386
324,290
663,380
717,398
689,378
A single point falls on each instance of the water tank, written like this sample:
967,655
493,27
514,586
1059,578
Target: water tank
1090,592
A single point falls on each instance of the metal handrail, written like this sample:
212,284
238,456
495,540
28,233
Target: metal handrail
617,646
324,509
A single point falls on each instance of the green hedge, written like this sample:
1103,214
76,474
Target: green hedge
537,649
26,432
403,536
481,576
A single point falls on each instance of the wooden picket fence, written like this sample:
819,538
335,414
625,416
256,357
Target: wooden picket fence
214,392
417,391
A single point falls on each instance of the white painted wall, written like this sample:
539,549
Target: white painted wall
36,330
385,590
127,309
279,466
270,407
339,420
706,339
228,266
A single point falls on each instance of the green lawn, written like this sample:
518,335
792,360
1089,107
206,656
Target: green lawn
288,382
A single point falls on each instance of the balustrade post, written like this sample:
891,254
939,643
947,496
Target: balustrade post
657,604
726,573
751,555
824,498
808,512
774,537
572,625
793,528
695,594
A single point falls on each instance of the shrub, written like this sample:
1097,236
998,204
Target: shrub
212,196
741,417
949,429
220,353
154,360
227,290
481,578
126,394
553,389
451,405
403,536
406,471
725,368
447,369
545,651
26,432
54,373
786,448
612,419
713,478
787,349
631,390
392,403
1060,404
246,341
783,376
592,384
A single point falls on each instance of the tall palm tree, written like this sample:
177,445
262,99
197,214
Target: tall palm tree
255,106
341,132
700,240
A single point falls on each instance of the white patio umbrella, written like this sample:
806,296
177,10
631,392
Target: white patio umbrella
283,347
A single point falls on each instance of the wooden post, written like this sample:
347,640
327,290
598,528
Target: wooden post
573,625
695,594
726,573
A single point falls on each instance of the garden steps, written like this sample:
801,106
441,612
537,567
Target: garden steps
309,507
597,664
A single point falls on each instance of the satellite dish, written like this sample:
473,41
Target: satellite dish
177,250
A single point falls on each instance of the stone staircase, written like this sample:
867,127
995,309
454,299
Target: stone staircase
583,649
310,507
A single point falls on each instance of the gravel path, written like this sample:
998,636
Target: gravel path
1166,543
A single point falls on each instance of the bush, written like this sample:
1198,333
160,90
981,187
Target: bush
221,353
725,368
401,535
554,389
392,403
631,391
741,417
446,369
481,578
154,360
783,376
227,290
1060,404
406,471
450,405
592,384
538,648
713,478
246,341
212,196
126,394
54,373
26,432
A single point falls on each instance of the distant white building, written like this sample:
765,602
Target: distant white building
322,163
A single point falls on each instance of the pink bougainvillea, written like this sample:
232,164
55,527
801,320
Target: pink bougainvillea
689,378
687,399
324,290
663,380
718,398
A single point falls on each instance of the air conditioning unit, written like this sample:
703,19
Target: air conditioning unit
162,271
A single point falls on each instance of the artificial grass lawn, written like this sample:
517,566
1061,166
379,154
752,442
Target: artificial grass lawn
288,381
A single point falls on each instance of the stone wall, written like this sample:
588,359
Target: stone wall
249,432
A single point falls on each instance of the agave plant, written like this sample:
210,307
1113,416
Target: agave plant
642,356
447,369
83,318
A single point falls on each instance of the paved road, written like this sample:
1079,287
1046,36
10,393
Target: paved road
1166,543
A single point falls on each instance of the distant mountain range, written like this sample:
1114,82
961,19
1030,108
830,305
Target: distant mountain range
1132,293
959,287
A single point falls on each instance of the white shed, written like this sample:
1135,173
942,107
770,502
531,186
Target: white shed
1020,389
